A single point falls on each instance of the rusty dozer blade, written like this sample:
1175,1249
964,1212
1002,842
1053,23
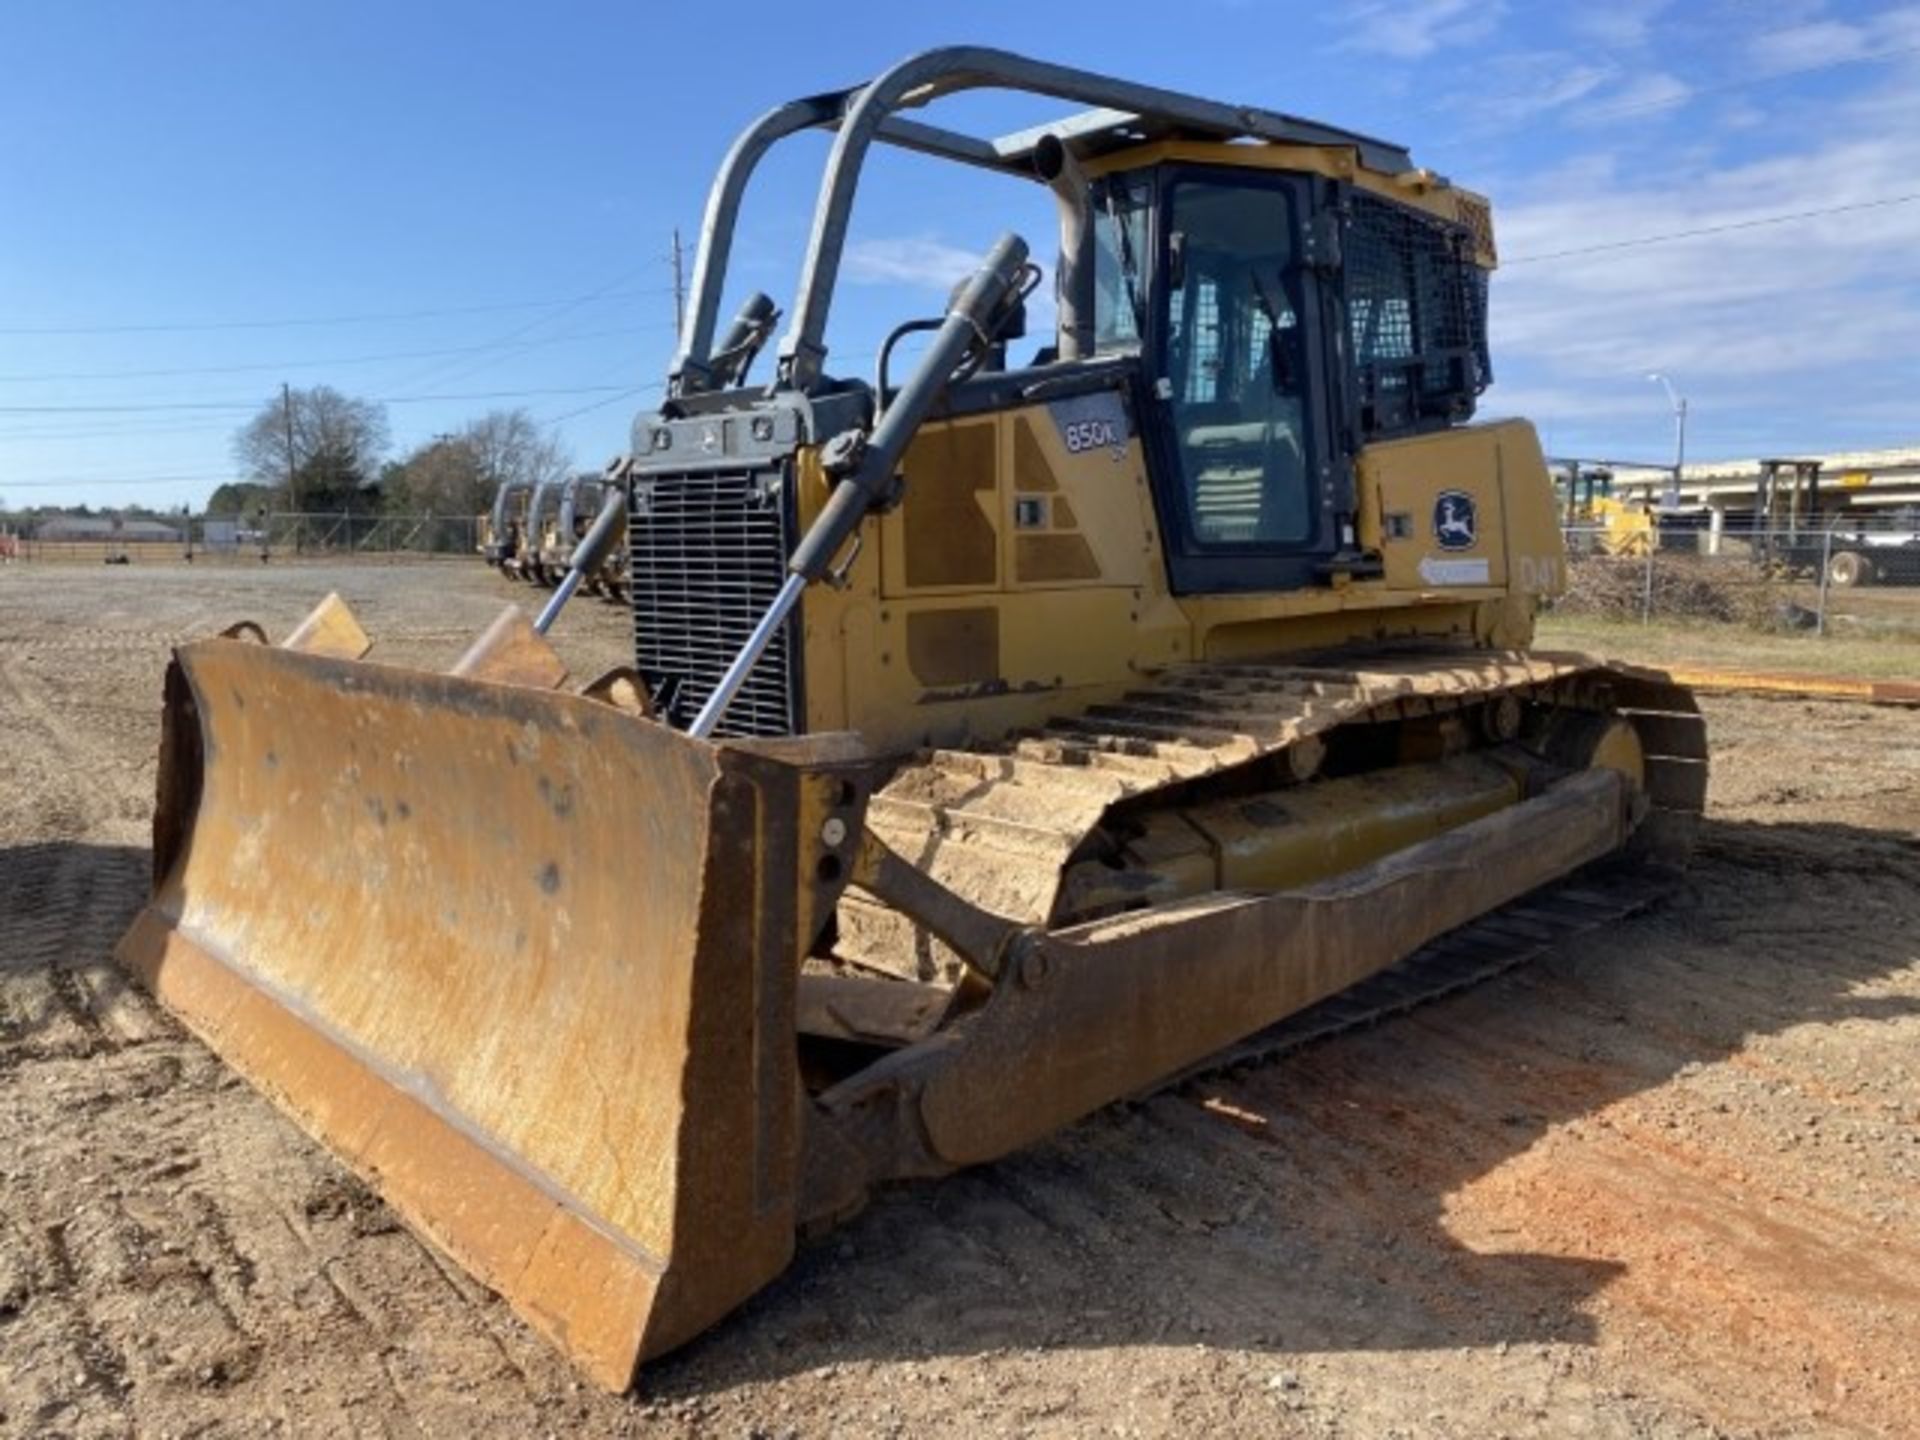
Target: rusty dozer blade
523,959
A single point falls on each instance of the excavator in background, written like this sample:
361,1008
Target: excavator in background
1002,738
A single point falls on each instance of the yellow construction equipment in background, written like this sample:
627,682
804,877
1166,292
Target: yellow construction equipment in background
502,530
1596,521
1003,738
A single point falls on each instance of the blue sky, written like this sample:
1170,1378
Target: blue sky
477,202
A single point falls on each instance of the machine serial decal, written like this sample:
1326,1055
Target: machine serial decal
1455,526
1092,422
1453,572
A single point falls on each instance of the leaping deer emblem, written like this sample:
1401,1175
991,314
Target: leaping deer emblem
1453,520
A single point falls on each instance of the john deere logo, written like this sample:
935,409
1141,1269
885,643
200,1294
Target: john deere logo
1454,526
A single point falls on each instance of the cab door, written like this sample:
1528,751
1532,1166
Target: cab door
1245,481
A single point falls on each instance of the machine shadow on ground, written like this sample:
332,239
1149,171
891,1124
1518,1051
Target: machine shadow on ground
63,905
1294,1208
1301,1206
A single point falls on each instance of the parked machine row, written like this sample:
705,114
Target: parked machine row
532,529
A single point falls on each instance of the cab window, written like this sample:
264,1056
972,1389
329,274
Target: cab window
1235,365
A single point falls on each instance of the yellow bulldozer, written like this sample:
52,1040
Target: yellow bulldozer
1598,521
1002,738
499,533
579,501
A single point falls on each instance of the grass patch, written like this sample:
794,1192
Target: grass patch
1892,655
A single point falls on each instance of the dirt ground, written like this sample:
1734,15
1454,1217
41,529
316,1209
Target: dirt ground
1665,1182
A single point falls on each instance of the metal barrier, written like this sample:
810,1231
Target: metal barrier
311,534
1856,576
287,535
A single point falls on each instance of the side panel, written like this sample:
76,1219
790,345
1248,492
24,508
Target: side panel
1022,575
1462,510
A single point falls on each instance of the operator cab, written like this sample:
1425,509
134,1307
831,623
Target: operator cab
1246,301
1264,324
1269,294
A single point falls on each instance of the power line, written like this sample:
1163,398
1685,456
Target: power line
233,405
277,365
602,404
370,318
81,482
1753,224
441,373
56,430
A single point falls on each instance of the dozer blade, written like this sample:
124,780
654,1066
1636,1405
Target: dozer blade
524,960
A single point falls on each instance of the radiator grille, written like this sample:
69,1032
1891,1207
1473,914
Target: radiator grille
707,555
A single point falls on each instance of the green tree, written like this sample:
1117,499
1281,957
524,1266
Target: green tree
334,480
240,497
442,477
458,474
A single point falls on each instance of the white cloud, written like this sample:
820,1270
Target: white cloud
1784,329
1622,25
918,260
1519,85
1740,115
1898,28
1524,83
1411,29
1824,42
1646,92
1821,42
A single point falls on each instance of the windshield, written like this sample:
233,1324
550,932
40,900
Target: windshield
1119,251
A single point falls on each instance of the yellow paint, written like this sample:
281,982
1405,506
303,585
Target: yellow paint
1064,644
1418,189
1285,839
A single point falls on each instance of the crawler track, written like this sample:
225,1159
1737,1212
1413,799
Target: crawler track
1512,935
999,826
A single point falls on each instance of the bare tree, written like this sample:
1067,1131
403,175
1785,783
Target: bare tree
328,443
509,445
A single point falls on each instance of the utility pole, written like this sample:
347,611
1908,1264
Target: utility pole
679,288
1679,404
286,419
293,483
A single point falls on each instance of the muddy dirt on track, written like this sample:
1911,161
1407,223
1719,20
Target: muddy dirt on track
1665,1181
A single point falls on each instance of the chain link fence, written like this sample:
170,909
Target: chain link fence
214,540
1849,576
1856,577
321,536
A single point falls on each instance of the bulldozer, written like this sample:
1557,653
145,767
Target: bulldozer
500,529
581,498
1600,521
1002,739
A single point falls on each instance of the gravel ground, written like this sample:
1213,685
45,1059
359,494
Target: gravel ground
1662,1182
